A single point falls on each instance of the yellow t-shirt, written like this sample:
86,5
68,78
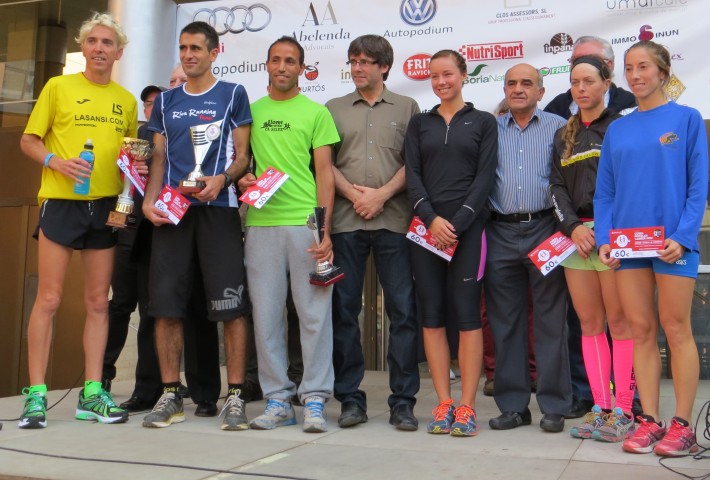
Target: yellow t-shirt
70,110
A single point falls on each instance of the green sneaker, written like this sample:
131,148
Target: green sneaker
100,408
34,413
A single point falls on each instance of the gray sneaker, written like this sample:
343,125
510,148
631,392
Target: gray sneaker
314,415
276,414
167,411
234,416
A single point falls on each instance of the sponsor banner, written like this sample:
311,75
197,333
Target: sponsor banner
492,35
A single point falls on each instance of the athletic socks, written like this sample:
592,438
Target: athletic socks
597,361
624,381
91,387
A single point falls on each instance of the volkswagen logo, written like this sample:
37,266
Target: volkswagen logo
236,19
417,12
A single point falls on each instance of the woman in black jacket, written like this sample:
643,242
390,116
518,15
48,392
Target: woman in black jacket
591,284
451,156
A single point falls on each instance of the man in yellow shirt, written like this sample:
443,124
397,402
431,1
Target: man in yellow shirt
70,110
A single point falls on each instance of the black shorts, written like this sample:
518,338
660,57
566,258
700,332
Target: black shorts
208,238
77,224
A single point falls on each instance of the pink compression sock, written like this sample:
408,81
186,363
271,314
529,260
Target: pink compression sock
597,361
624,381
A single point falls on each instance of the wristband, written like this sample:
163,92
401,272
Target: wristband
227,179
46,159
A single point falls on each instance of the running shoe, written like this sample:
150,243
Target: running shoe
679,441
443,418
100,408
464,422
277,414
617,427
167,411
34,413
314,415
235,418
591,422
648,433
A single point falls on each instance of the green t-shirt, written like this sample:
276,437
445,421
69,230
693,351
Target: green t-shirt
284,135
70,110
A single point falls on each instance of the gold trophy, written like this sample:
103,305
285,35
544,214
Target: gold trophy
325,273
202,138
137,150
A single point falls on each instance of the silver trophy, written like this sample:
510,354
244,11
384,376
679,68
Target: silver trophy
325,273
202,137
122,216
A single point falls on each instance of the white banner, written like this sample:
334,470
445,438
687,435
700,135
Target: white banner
493,35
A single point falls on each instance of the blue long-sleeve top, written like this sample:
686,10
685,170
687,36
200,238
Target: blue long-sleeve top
450,169
653,170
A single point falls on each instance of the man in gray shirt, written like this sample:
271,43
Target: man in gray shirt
372,214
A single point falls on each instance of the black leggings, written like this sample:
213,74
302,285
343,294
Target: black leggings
450,288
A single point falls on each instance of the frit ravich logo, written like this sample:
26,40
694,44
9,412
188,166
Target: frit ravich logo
311,72
416,67
491,51
560,42
417,12
645,33
327,17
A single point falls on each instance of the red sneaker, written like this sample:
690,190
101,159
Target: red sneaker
679,441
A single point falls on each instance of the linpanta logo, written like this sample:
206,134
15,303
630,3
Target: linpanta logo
669,138
416,67
312,18
417,12
492,51
560,42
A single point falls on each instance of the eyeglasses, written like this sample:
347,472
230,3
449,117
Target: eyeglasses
362,63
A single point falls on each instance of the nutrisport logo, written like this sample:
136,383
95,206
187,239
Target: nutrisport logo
477,52
416,67
560,42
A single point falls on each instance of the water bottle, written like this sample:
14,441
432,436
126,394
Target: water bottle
81,186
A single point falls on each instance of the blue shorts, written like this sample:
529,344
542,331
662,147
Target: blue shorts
686,266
